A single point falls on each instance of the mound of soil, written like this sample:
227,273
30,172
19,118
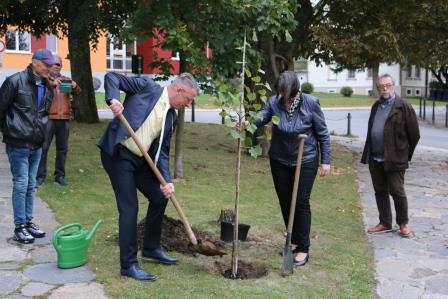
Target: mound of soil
175,238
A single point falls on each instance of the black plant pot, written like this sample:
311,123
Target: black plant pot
227,231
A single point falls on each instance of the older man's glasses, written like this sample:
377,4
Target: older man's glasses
382,86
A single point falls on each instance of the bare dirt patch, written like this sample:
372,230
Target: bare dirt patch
174,238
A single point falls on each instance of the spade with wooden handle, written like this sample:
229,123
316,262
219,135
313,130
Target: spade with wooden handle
288,258
202,247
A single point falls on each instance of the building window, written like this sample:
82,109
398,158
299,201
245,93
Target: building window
351,74
369,73
51,43
301,66
408,92
119,54
417,72
417,92
176,56
18,41
409,72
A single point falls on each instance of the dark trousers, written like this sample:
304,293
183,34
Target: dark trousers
283,177
60,130
385,183
129,173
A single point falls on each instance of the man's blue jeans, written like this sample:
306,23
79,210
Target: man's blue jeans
24,163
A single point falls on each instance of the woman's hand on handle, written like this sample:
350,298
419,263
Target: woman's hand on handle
324,169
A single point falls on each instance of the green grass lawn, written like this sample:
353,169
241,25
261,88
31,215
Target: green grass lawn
340,263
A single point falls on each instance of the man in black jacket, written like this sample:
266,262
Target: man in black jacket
150,110
25,98
392,136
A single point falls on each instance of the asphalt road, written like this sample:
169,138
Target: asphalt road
337,124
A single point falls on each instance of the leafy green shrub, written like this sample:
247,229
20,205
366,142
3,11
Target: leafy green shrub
435,85
307,87
346,91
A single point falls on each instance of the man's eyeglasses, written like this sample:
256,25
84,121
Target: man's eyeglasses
389,85
57,64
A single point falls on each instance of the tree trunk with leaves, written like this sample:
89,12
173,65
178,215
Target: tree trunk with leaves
84,105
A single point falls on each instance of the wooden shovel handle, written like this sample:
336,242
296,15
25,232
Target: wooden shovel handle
161,179
295,188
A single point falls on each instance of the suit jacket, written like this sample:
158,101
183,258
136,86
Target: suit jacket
142,94
401,135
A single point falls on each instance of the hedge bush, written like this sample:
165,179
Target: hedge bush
346,91
307,87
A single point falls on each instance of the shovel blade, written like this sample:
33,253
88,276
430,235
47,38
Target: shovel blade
288,258
207,248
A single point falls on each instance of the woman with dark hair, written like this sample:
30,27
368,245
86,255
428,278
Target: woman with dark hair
298,113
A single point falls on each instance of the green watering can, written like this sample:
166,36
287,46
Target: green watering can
71,242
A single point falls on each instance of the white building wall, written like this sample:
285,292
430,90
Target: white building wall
325,80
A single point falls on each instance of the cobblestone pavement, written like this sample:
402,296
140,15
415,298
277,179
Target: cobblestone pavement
30,270
416,267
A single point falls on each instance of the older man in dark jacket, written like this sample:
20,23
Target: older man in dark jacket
150,110
25,98
392,136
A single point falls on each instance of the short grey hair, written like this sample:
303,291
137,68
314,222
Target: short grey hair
186,79
385,76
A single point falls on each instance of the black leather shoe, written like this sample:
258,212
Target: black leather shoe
302,262
136,272
159,256
60,181
34,230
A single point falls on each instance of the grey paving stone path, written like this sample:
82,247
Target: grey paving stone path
28,271
416,267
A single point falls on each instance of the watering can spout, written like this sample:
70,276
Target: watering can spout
93,230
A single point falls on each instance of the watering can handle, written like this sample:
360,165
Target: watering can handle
62,228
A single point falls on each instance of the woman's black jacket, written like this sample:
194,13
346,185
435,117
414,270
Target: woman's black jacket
307,119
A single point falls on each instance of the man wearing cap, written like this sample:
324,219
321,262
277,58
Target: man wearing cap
25,99
58,125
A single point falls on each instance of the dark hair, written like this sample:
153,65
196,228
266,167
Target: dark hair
287,85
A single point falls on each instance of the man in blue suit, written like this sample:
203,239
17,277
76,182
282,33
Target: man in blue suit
150,110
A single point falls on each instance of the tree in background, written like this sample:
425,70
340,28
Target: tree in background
424,37
360,34
82,22
175,25
187,27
